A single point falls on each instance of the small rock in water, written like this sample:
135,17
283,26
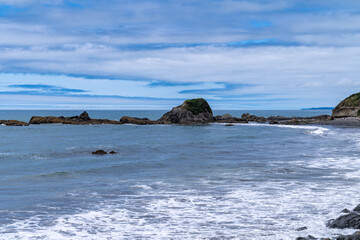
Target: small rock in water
99,152
229,125
309,237
113,152
301,229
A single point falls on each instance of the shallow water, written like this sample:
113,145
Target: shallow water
253,181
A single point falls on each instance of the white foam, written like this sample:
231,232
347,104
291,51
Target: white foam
145,187
269,211
353,175
315,130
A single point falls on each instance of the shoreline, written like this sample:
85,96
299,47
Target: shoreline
227,120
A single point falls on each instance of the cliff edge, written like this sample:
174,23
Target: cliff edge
349,107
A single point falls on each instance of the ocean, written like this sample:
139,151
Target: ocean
250,181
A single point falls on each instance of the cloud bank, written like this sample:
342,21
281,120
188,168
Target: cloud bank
152,54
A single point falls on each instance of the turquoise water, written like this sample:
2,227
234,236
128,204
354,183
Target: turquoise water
252,181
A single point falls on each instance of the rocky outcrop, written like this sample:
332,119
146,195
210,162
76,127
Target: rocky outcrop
194,111
102,152
227,118
349,107
13,123
253,118
322,119
138,121
82,119
349,220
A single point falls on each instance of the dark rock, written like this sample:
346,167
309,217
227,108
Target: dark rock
83,119
194,111
345,210
354,236
138,121
357,208
112,152
227,118
13,123
99,152
350,220
322,119
253,118
301,229
349,107
278,118
229,125
309,237
85,116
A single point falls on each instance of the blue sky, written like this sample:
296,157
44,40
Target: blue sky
137,54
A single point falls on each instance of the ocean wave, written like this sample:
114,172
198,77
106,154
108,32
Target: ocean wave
241,213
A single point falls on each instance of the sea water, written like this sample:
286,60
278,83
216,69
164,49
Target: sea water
248,181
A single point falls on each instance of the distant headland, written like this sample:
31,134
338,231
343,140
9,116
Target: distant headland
318,108
198,111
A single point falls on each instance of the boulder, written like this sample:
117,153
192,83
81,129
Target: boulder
85,116
349,220
194,111
138,121
13,123
349,107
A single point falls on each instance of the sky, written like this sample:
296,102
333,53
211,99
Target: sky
154,54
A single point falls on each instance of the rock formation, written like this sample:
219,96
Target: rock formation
138,121
13,123
349,107
83,119
194,111
349,220
227,118
253,118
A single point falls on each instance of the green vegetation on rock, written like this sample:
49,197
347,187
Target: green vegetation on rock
358,113
197,106
352,101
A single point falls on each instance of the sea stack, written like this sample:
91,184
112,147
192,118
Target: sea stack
193,111
349,107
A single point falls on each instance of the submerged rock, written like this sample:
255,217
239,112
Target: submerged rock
99,152
301,228
349,107
112,152
13,123
194,111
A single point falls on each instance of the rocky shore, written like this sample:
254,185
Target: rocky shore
198,111
348,219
